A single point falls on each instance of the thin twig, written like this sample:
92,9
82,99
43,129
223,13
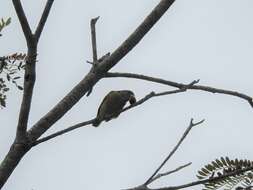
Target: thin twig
43,19
191,125
181,85
169,172
71,128
153,94
93,38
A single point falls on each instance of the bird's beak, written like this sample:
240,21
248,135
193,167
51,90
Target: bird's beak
132,99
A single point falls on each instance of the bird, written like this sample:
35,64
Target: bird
112,104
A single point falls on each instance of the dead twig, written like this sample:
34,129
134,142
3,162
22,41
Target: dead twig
191,125
160,175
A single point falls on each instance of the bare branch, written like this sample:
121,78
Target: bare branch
82,124
93,38
141,101
23,21
181,85
153,94
43,19
169,172
191,125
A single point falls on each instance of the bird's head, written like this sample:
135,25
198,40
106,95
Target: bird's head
129,95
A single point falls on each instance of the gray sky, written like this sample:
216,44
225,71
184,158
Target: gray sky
210,40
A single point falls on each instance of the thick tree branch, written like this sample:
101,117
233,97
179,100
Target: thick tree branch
96,73
62,107
29,81
191,125
21,145
29,73
23,21
43,19
11,160
180,85
137,35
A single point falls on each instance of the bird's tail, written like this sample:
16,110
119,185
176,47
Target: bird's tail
96,122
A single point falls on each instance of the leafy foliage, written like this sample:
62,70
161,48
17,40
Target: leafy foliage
4,23
9,70
223,166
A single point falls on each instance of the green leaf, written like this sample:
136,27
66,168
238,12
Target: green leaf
2,102
8,77
219,162
6,89
20,87
8,21
223,161
15,78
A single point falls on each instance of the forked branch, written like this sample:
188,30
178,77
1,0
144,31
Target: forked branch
191,125
43,19
30,69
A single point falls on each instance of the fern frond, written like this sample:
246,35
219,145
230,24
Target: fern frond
223,166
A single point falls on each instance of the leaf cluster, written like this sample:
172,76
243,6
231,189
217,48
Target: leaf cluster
10,67
223,166
4,23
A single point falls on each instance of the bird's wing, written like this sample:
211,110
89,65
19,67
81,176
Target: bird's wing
103,102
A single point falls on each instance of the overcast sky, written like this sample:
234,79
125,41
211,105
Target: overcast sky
210,40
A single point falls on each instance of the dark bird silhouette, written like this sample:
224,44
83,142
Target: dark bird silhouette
112,104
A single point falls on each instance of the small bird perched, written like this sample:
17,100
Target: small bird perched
112,104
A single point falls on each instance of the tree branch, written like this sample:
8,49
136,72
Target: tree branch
71,128
29,73
180,85
96,73
136,36
191,125
160,175
93,38
43,19
82,124
29,81
23,21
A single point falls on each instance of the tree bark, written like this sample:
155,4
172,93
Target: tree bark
11,160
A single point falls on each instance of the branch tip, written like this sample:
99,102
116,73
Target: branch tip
94,20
